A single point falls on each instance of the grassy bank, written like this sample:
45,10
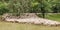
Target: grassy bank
16,26
52,16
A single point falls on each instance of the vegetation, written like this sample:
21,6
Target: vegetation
16,26
52,16
29,6
18,7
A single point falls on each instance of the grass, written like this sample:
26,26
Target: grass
51,16
55,17
17,26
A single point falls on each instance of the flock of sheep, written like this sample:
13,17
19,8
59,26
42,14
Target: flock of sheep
38,21
33,19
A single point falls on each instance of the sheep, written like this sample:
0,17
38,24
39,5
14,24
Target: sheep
34,21
23,20
10,20
38,22
50,22
20,20
57,23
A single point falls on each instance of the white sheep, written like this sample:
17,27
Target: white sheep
10,20
38,22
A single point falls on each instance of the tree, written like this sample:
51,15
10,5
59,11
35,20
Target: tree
19,6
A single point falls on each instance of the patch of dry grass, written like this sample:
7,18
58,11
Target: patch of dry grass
17,26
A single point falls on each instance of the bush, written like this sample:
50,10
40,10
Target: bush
3,8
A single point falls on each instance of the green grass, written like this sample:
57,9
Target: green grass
51,16
17,26
55,17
